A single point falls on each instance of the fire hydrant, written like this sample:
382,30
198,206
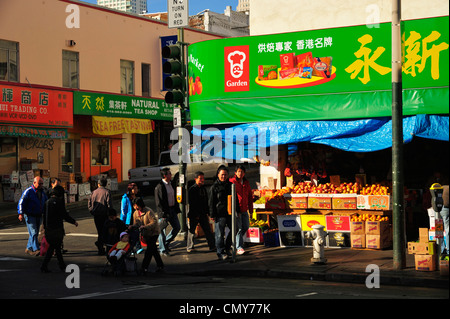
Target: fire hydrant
318,235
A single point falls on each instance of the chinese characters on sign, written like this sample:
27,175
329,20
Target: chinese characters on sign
289,46
35,106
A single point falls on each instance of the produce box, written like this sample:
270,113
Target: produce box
357,240
337,223
290,238
310,220
271,238
254,235
375,202
377,227
423,235
276,203
358,228
425,262
443,267
428,248
378,241
319,201
338,239
344,201
296,201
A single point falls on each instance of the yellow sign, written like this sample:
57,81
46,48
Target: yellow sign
118,125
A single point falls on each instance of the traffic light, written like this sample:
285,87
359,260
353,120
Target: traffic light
176,82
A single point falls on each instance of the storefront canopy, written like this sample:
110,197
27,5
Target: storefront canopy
365,135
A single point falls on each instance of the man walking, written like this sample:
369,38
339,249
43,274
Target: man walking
167,209
198,212
98,205
30,209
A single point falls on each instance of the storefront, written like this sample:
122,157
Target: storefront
314,96
115,131
33,127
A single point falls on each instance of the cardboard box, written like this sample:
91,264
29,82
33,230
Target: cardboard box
377,227
357,240
338,239
296,201
319,201
337,223
378,241
423,235
428,248
73,189
344,201
358,228
374,202
276,203
443,267
425,262
254,235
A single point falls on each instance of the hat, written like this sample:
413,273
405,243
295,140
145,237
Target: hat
123,234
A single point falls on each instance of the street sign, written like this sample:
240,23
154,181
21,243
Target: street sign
178,13
176,117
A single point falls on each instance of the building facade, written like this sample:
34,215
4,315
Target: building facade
130,6
80,91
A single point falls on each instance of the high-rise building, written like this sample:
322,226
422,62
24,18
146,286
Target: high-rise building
131,6
243,6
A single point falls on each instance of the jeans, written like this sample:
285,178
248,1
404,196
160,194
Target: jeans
242,225
222,244
164,240
444,215
33,224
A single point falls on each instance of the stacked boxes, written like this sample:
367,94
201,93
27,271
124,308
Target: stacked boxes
425,251
370,234
358,234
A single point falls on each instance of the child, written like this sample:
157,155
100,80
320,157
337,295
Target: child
112,228
119,249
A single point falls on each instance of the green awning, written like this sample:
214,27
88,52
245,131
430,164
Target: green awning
36,132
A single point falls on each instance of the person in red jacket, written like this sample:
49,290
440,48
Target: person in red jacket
245,198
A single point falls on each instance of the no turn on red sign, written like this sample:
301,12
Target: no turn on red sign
178,13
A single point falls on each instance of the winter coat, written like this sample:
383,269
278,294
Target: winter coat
244,194
30,204
126,209
149,220
218,199
198,201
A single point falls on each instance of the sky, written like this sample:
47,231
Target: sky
195,6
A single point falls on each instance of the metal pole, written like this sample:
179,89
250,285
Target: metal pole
233,220
398,209
181,165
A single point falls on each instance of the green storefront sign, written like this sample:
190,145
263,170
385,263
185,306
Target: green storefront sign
110,105
337,73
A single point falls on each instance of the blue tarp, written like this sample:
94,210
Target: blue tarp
363,135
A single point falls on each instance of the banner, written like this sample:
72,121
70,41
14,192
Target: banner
36,132
102,104
114,126
41,107
336,73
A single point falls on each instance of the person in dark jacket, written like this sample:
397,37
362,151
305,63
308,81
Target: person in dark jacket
198,212
54,215
112,228
218,210
30,208
98,205
167,209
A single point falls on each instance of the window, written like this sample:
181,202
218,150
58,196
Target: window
145,80
70,69
126,77
9,56
100,151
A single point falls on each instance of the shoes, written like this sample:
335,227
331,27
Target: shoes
140,251
190,250
37,253
45,270
222,256
159,269
165,253
240,251
29,252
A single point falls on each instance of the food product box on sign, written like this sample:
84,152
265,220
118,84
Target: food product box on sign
320,201
291,238
377,227
425,262
296,201
357,240
358,227
428,248
289,223
344,201
337,223
308,221
271,238
338,239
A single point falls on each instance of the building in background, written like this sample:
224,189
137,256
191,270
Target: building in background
130,6
243,6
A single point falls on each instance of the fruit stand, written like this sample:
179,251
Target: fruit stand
354,216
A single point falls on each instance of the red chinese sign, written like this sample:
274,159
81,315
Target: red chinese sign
25,105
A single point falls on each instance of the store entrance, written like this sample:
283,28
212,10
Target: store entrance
67,156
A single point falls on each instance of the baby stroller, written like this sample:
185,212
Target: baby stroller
126,262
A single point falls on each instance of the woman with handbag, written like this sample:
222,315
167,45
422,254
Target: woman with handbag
54,215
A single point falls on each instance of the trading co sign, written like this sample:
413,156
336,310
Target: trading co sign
337,73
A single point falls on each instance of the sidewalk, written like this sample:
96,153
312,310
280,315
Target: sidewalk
343,264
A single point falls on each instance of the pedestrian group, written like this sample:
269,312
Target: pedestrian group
139,226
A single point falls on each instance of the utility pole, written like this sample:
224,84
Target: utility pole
398,207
